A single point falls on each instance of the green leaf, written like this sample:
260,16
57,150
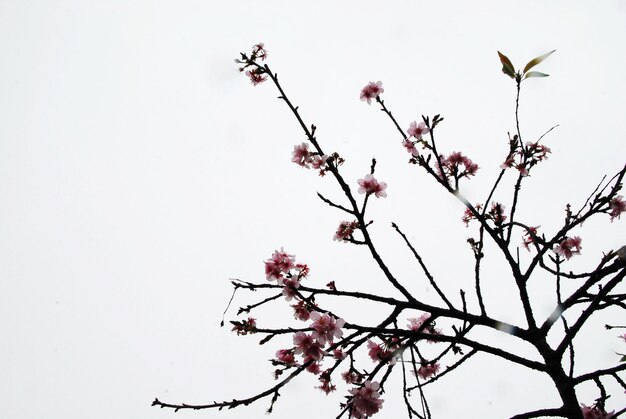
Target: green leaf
535,74
623,359
507,66
537,60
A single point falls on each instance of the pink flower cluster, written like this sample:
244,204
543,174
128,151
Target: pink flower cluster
352,377
369,185
468,215
345,230
451,166
372,91
525,158
326,328
417,130
595,412
496,214
424,325
569,247
279,268
617,206
366,400
283,268
256,74
382,352
307,159
427,370
302,310
310,346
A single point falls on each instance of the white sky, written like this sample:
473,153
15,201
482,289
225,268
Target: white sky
139,171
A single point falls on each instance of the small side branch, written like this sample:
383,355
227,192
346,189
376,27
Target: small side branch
424,268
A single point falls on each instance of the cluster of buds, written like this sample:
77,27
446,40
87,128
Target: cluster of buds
523,158
255,72
244,327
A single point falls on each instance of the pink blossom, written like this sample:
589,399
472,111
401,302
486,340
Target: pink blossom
416,324
256,76
451,166
338,354
410,147
273,271
522,170
371,91
301,311
617,205
286,356
290,287
307,159
326,386
623,337
345,230
326,328
300,155
258,51
595,412
377,353
279,263
528,237
370,185
366,400
318,162
537,152
527,157
303,270
468,215
416,130
351,377
509,162
428,370
313,367
569,247
307,346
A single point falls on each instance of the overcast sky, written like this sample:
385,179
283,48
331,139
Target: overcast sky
139,171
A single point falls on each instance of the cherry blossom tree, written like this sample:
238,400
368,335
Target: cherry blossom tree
408,342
